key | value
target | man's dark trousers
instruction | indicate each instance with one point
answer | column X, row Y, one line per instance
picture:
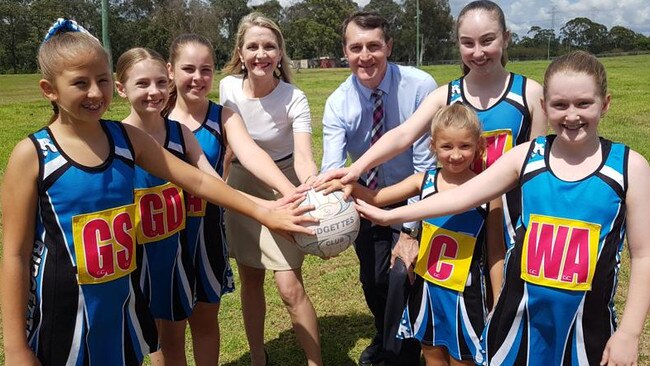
column 385, row 290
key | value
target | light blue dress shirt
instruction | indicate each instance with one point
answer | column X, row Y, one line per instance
column 347, row 122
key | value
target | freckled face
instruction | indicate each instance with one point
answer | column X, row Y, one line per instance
column 574, row 105
column 83, row 90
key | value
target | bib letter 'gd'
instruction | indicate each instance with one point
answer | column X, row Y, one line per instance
column 160, row 212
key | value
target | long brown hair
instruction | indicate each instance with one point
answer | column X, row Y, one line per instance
column 492, row 8
column 174, row 50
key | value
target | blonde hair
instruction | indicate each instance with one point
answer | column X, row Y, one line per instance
column 132, row 57
column 457, row 116
column 62, row 49
column 234, row 66
column 579, row 62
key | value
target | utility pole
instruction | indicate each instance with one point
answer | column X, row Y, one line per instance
column 106, row 39
column 548, row 47
column 417, row 33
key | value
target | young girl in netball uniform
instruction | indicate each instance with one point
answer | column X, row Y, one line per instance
column 446, row 309
column 69, row 218
column 191, row 67
column 581, row 194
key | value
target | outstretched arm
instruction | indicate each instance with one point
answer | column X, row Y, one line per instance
column 152, row 157
column 197, row 158
column 623, row 347
column 395, row 193
column 496, row 180
column 303, row 157
column 19, row 196
column 394, row 141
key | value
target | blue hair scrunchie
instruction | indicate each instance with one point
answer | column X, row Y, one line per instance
column 63, row 25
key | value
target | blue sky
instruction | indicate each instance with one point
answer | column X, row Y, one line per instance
column 522, row 14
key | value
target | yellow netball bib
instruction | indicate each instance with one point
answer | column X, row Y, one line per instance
column 160, row 212
column 445, row 256
column 195, row 206
column 104, row 244
column 560, row 253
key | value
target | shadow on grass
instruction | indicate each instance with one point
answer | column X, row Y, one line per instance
column 339, row 335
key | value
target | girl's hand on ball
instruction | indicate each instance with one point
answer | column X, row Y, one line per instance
column 288, row 219
column 372, row 213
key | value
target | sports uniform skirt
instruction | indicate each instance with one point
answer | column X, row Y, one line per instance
column 438, row 316
column 251, row 243
column 165, row 273
column 206, row 244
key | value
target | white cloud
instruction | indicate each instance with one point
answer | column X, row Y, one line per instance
column 523, row 14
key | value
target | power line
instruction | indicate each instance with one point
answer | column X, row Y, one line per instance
column 548, row 46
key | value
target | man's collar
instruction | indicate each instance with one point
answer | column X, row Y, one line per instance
column 384, row 86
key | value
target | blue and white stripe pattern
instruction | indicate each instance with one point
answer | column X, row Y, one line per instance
column 63, row 25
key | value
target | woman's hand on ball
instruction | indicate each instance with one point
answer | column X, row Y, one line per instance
column 293, row 200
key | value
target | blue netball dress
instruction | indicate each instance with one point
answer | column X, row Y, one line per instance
column 446, row 307
column 557, row 302
column 84, row 307
column 506, row 124
column 205, row 230
column 165, row 268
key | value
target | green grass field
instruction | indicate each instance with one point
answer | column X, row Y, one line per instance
column 345, row 323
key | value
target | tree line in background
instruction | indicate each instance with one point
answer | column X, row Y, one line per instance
column 311, row 28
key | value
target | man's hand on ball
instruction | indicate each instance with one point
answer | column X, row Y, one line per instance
column 347, row 175
column 335, row 185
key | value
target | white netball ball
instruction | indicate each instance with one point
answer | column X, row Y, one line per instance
column 338, row 226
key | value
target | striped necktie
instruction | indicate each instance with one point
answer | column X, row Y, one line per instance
column 377, row 130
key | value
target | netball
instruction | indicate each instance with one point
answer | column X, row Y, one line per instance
column 338, row 226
